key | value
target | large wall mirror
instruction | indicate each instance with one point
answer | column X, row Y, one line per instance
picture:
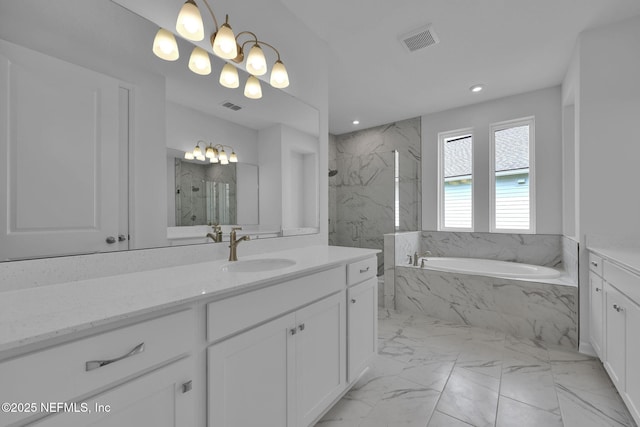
column 95, row 127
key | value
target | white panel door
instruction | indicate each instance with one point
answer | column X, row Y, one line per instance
column 320, row 356
column 596, row 318
column 616, row 336
column 633, row 359
column 362, row 318
column 60, row 148
column 162, row 398
column 249, row 377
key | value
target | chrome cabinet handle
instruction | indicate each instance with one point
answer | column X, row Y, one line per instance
column 365, row 270
column 598, row 289
column 353, row 300
column 301, row 327
column 617, row 308
column 595, row 264
column 95, row 364
column 187, row 386
column 110, row 240
column 293, row 331
column 121, row 238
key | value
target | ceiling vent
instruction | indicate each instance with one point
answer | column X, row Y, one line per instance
column 231, row 106
column 419, row 39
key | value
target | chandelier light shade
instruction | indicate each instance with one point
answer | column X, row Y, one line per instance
column 224, row 42
column 256, row 62
column 189, row 23
column 199, row 61
column 226, row 45
column 189, row 155
column 252, row 88
column 233, row 158
column 229, row 76
column 279, row 76
column 165, row 46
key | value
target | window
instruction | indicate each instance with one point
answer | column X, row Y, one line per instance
column 455, row 190
column 512, row 176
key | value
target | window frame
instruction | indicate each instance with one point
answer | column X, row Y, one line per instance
column 442, row 137
column 493, row 128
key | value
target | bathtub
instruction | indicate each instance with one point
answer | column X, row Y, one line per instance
column 491, row 268
column 525, row 300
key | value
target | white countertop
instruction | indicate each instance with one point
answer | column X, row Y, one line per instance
column 628, row 258
column 36, row 314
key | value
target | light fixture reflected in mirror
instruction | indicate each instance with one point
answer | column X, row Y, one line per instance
column 215, row 153
column 224, row 44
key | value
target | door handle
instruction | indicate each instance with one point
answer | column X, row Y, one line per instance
column 110, row 240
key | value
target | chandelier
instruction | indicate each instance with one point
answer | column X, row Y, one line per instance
column 225, row 45
column 214, row 154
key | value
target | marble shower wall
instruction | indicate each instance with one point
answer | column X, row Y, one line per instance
column 570, row 258
column 365, row 184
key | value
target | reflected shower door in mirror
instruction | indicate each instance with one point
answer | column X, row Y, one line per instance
column 83, row 162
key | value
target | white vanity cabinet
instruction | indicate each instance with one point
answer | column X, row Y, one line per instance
column 362, row 316
column 620, row 322
column 596, row 298
column 125, row 368
column 284, row 372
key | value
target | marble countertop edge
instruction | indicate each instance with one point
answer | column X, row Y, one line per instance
column 628, row 258
column 34, row 315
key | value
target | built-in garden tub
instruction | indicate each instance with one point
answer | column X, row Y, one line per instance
column 520, row 299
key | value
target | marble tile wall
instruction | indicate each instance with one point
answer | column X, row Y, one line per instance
column 365, row 184
column 540, row 311
column 570, row 257
column 538, row 249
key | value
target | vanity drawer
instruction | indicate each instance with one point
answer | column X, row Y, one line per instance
column 234, row 314
column 595, row 264
column 62, row 374
column 361, row 270
column 627, row 282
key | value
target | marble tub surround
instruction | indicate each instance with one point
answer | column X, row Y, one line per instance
column 537, row 249
column 33, row 315
column 434, row 373
column 570, row 258
column 545, row 311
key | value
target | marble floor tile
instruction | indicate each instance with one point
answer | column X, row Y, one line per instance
column 470, row 397
column 513, row 413
column 432, row 373
column 438, row 419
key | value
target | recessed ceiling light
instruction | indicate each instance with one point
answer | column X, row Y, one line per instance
column 356, row 122
column 476, row 88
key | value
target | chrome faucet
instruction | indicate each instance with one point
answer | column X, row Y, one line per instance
column 216, row 236
column 234, row 242
column 417, row 256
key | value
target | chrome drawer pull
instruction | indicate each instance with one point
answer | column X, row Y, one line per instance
column 95, row 364
column 617, row 308
column 595, row 264
column 365, row 270
column 186, row 387
column 597, row 289
column 353, row 300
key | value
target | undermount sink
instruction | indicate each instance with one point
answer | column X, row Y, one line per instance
column 257, row 265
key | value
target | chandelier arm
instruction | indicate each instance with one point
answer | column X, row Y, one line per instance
column 255, row 38
column 215, row 21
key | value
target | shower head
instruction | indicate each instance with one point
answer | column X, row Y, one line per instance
column 333, row 172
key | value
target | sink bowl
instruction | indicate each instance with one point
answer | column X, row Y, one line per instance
column 257, row 265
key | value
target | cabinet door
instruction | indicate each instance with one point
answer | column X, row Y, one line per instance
column 60, row 149
column 249, row 377
column 596, row 317
column 362, row 318
column 616, row 336
column 633, row 356
column 162, row 398
column 320, row 355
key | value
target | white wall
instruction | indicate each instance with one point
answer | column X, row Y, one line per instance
column 545, row 106
column 608, row 145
